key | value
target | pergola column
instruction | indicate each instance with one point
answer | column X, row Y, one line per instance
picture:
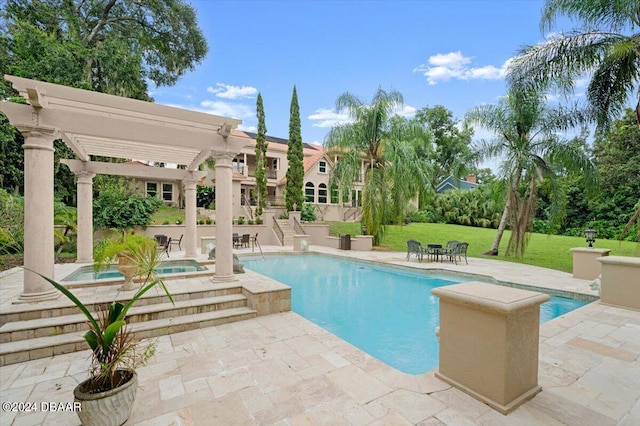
column 190, row 237
column 85, row 216
column 224, row 216
column 38, row 215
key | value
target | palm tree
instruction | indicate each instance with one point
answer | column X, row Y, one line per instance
column 530, row 151
column 608, row 46
column 387, row 143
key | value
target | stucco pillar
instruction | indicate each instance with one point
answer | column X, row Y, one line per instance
column 190, row 237
column 38, row 216
column 85, row 216
column 224, row 217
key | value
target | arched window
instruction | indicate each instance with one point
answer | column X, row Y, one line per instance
column 322, row 193
column 310, row 192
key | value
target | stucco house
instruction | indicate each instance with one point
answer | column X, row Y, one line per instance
column 317, row 164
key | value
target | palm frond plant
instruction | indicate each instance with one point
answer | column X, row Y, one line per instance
column 605, row 48
column 525, row 140
column 134, row 253
column 116, row 353
column 385, row 142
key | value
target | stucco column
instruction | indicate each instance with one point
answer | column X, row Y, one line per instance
column 224, row 217
column 190, row 243
column 85, row 216
column 38, row 216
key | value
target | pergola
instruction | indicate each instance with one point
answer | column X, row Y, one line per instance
column 92, row 123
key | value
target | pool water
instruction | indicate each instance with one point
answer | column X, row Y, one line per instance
column 387, row 312
column 86, row 273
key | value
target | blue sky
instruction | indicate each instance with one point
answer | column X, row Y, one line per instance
column 450, row 53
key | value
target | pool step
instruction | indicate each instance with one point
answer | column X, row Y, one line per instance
column 43, row 327
column 64, row 307
column 43, row 347
column 31, row 332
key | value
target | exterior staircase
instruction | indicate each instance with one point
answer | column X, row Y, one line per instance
column 29, row 333
column 287, row 231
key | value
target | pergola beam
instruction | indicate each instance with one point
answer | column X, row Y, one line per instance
column 72, row 142
column 132, row 170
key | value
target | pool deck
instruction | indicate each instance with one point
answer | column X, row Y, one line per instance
column 282, row 369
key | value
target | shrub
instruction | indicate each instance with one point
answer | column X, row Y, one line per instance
column 259, row 220
column 179, row 222
column 205, row 196
column 166, row 222
column 208, row 221
column 250, row 221
column 200, row 222
column 307, row 213
column 12, row 224
column 121, row 206
column 240, row 220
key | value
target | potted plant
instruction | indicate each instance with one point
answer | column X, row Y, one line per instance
column 132, row 252
column 240, row 220
column 107, row 396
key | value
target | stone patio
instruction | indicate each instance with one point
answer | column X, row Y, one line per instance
column 282, row 369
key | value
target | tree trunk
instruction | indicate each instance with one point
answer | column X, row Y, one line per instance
column 493, row 251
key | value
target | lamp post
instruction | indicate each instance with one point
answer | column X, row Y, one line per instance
column 590, row 236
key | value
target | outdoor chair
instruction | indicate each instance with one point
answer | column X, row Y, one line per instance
column 414, row 247
column 461, row 250
column 176, row 242
column 449, row 250
column 164, row 243
column 236, row 240
column 254, row 242
column 246, row 238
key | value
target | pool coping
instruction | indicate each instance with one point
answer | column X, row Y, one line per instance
column 165, row 277
column 487, row 278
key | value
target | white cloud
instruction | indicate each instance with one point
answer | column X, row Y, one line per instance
column 227, row 109
column 443, row 67
column 228, row 91
column 251, row 129
column 329, row 118
column 406, row 111
column 454, row 60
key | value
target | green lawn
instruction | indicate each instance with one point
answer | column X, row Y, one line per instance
column 549, row 251
column 167, row 215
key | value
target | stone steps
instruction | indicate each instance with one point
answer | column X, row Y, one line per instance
column 51, row 332
column 287, row 231
column 66, row 307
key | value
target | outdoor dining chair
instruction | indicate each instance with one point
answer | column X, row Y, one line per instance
column 414, row 247
column 244, row 242
column 176, row 242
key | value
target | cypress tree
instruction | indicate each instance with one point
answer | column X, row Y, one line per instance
column 295, row 172
column 261, row 158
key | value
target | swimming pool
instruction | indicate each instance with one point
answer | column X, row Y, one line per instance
column 86, row 273
column 387, row 312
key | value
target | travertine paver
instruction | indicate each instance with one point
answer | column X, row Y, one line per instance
column 284, row 370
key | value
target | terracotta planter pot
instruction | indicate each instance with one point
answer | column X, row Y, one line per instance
column 109, row 408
